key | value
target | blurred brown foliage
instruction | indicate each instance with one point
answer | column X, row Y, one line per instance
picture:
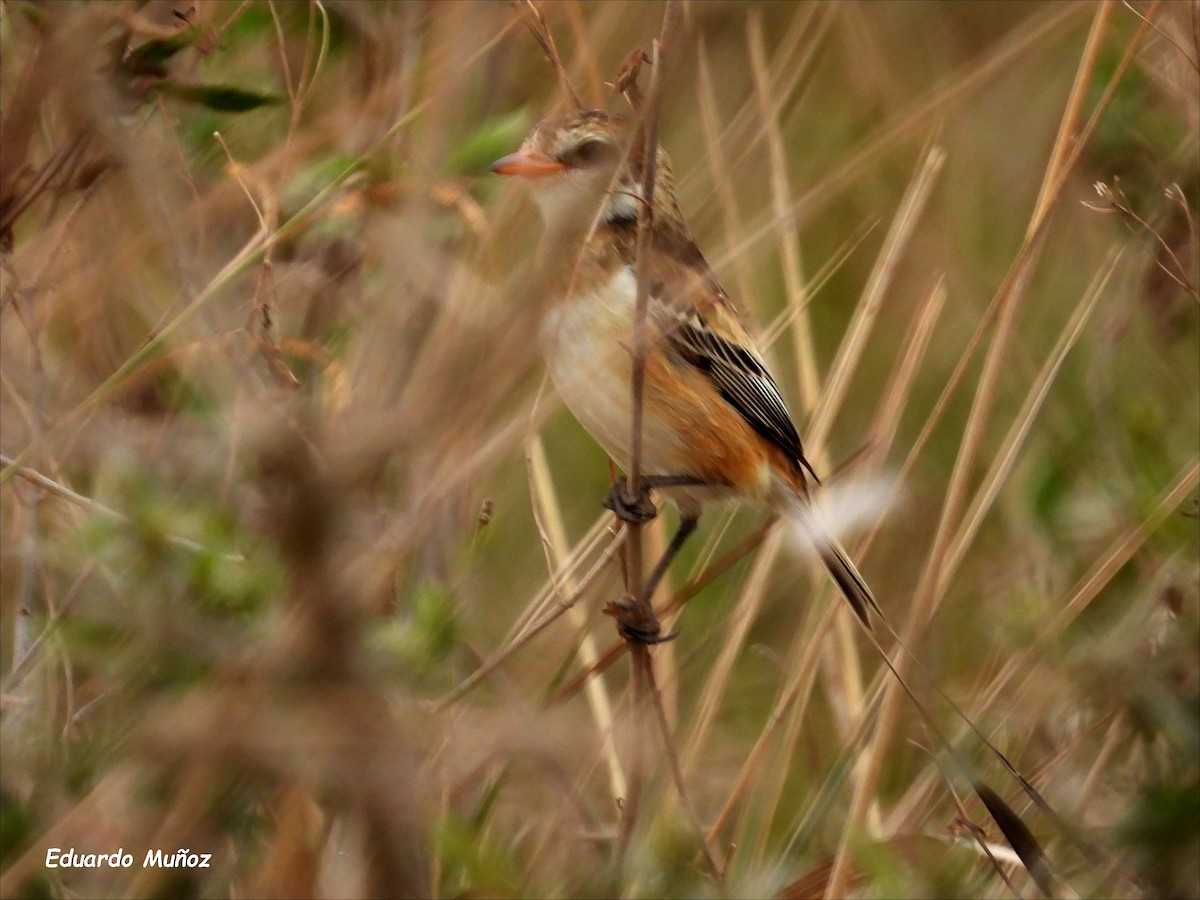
column 267, row 337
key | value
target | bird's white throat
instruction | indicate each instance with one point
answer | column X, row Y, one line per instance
column 570, row 202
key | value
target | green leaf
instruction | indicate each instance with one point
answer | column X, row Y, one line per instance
column 493, row 139
column 216, row 96
column 313, row 178
column 150, row 56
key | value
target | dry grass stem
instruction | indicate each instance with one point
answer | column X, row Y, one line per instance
column 537, row 627
column 279, row 487
column 787, row 230
column 927, row 596
column 546, row 500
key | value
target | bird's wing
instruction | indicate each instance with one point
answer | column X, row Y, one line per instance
column 703, row 328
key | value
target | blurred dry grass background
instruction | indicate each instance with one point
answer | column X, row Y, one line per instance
column 279, row 468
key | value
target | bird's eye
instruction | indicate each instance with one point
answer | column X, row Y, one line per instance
column 587, row 153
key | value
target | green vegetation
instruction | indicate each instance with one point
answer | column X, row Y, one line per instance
column 280, row 475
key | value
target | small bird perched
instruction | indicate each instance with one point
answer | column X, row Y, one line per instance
column 714, row 423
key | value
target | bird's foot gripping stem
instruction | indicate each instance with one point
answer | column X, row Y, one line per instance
column 636, row 509
column 636, row 621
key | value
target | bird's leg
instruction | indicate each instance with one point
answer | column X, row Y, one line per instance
column 661, row 481
column 687, row 524
column 636, row 620
column 639, row 508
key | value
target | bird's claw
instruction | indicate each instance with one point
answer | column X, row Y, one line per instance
column 637, row 623
column 636, row 510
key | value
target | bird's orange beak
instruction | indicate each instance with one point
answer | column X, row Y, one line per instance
column 528, row 163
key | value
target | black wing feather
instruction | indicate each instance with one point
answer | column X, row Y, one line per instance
column 744, row 383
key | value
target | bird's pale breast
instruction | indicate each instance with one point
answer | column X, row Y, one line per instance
column 688, row 429
column 586, row 339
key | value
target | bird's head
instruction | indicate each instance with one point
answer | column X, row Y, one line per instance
column 581, row 163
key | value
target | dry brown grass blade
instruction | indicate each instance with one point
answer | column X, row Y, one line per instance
column 648, row 134
column 18, row 127
column 1108, row 563
column 787, row 232
column 545, row 497
column 898, row 389
column 844, row 670
column 637, row 613
column 812, row 884
column 1006, row 457
column 416, row 371
column 640, row 663
column 847, row 669
column 1012, row 291
column 250, row 253
column 531, row 13
column 805, row 35
column 714, row 571
column 1067, row 132
column 715, row 868
column 589, row 544
column 1054, row 21
column 534, row 629
column 60, row 162
column 794, row 694
column 666, row 658
column 585, row 54
column 292, row 859
column 745, row 612
column 97, row 508
column 719, row 169
column 818, row 281
column 1100, row 765
column 895, row 395
column 866, row 312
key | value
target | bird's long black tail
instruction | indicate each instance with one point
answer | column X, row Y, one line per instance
column 847, row 577
column 843, row 572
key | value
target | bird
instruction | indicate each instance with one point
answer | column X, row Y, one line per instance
column 715, row 426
